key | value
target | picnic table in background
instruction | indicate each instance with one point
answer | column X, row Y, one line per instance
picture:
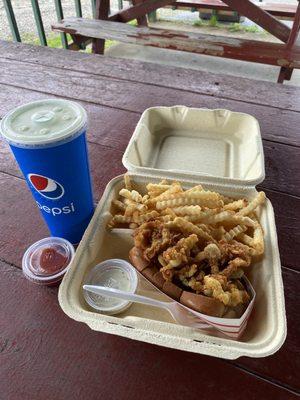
column 45, row 354
column 112, row 26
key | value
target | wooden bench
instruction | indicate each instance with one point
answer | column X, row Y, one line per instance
column 228, row 47
column 285, row 55
column 285, row 11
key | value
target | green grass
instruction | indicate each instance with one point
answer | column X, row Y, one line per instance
column 53, row 39
column 109, row 43
column 213, row 21
column 199, row 22
column 234, row 27
column 237, row 27
column 253, row 29
column 133, row 22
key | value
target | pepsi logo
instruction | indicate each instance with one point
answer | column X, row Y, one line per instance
column 47, row 187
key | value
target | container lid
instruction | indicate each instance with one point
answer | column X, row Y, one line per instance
column 114, row 273
column 43, row 122
column 180, row 142
column 46, row 261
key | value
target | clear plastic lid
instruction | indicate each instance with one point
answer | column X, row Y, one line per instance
column 46, row 261
column 114, row 273
column 43, row 122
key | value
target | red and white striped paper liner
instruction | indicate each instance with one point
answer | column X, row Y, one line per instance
column 232, row 327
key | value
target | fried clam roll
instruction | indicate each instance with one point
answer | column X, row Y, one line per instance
column 194, row 245
column 222, row 299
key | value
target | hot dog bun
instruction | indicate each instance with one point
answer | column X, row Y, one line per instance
column 203, row 304
column 137, row 259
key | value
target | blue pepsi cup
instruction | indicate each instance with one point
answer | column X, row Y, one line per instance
column 48, row 139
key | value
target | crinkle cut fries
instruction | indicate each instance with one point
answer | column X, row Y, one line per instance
column 198, row 240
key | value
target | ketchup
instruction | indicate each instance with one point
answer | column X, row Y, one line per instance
column 52, row 261
column 46, row 261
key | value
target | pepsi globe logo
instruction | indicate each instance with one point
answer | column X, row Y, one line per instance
column 46, row 187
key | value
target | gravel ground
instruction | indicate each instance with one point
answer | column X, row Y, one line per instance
column 25, row 18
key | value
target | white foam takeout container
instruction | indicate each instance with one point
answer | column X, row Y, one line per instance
column 223, row 150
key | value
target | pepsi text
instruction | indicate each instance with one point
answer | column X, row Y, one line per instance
column 57, row 210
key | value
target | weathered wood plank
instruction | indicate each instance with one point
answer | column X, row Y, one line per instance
column 217, row 85
column 285, row 10
column 234, row 48
column 104, row 130
column 285, row 364
column 260, row 17
column 8, row 163
column 282, row 168
column 58, row 352
column 129, row 96
column 287, row 216
column 295, row 30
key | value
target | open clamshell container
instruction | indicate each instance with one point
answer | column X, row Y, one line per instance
column 222, row 150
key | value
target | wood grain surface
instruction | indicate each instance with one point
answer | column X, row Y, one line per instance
column 284, row 366
column 46, row 355
column 282, row 10
column 217, row 85
column 43, row 353
column 265, row 52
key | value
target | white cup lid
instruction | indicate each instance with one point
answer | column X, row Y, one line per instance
column 42, row 122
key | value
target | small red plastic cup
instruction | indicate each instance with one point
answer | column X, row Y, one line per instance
column 45, row 262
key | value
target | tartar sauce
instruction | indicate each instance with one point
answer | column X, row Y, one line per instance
column 115, row 278
column 116, row 274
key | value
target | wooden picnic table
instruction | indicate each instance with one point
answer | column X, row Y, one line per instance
column 46, row 355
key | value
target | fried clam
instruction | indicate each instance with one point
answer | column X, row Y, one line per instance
column 179, row 254
column 228, row 293
column 190, row 277
column 211, row 253
column 153, row 238
column 236, row 257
